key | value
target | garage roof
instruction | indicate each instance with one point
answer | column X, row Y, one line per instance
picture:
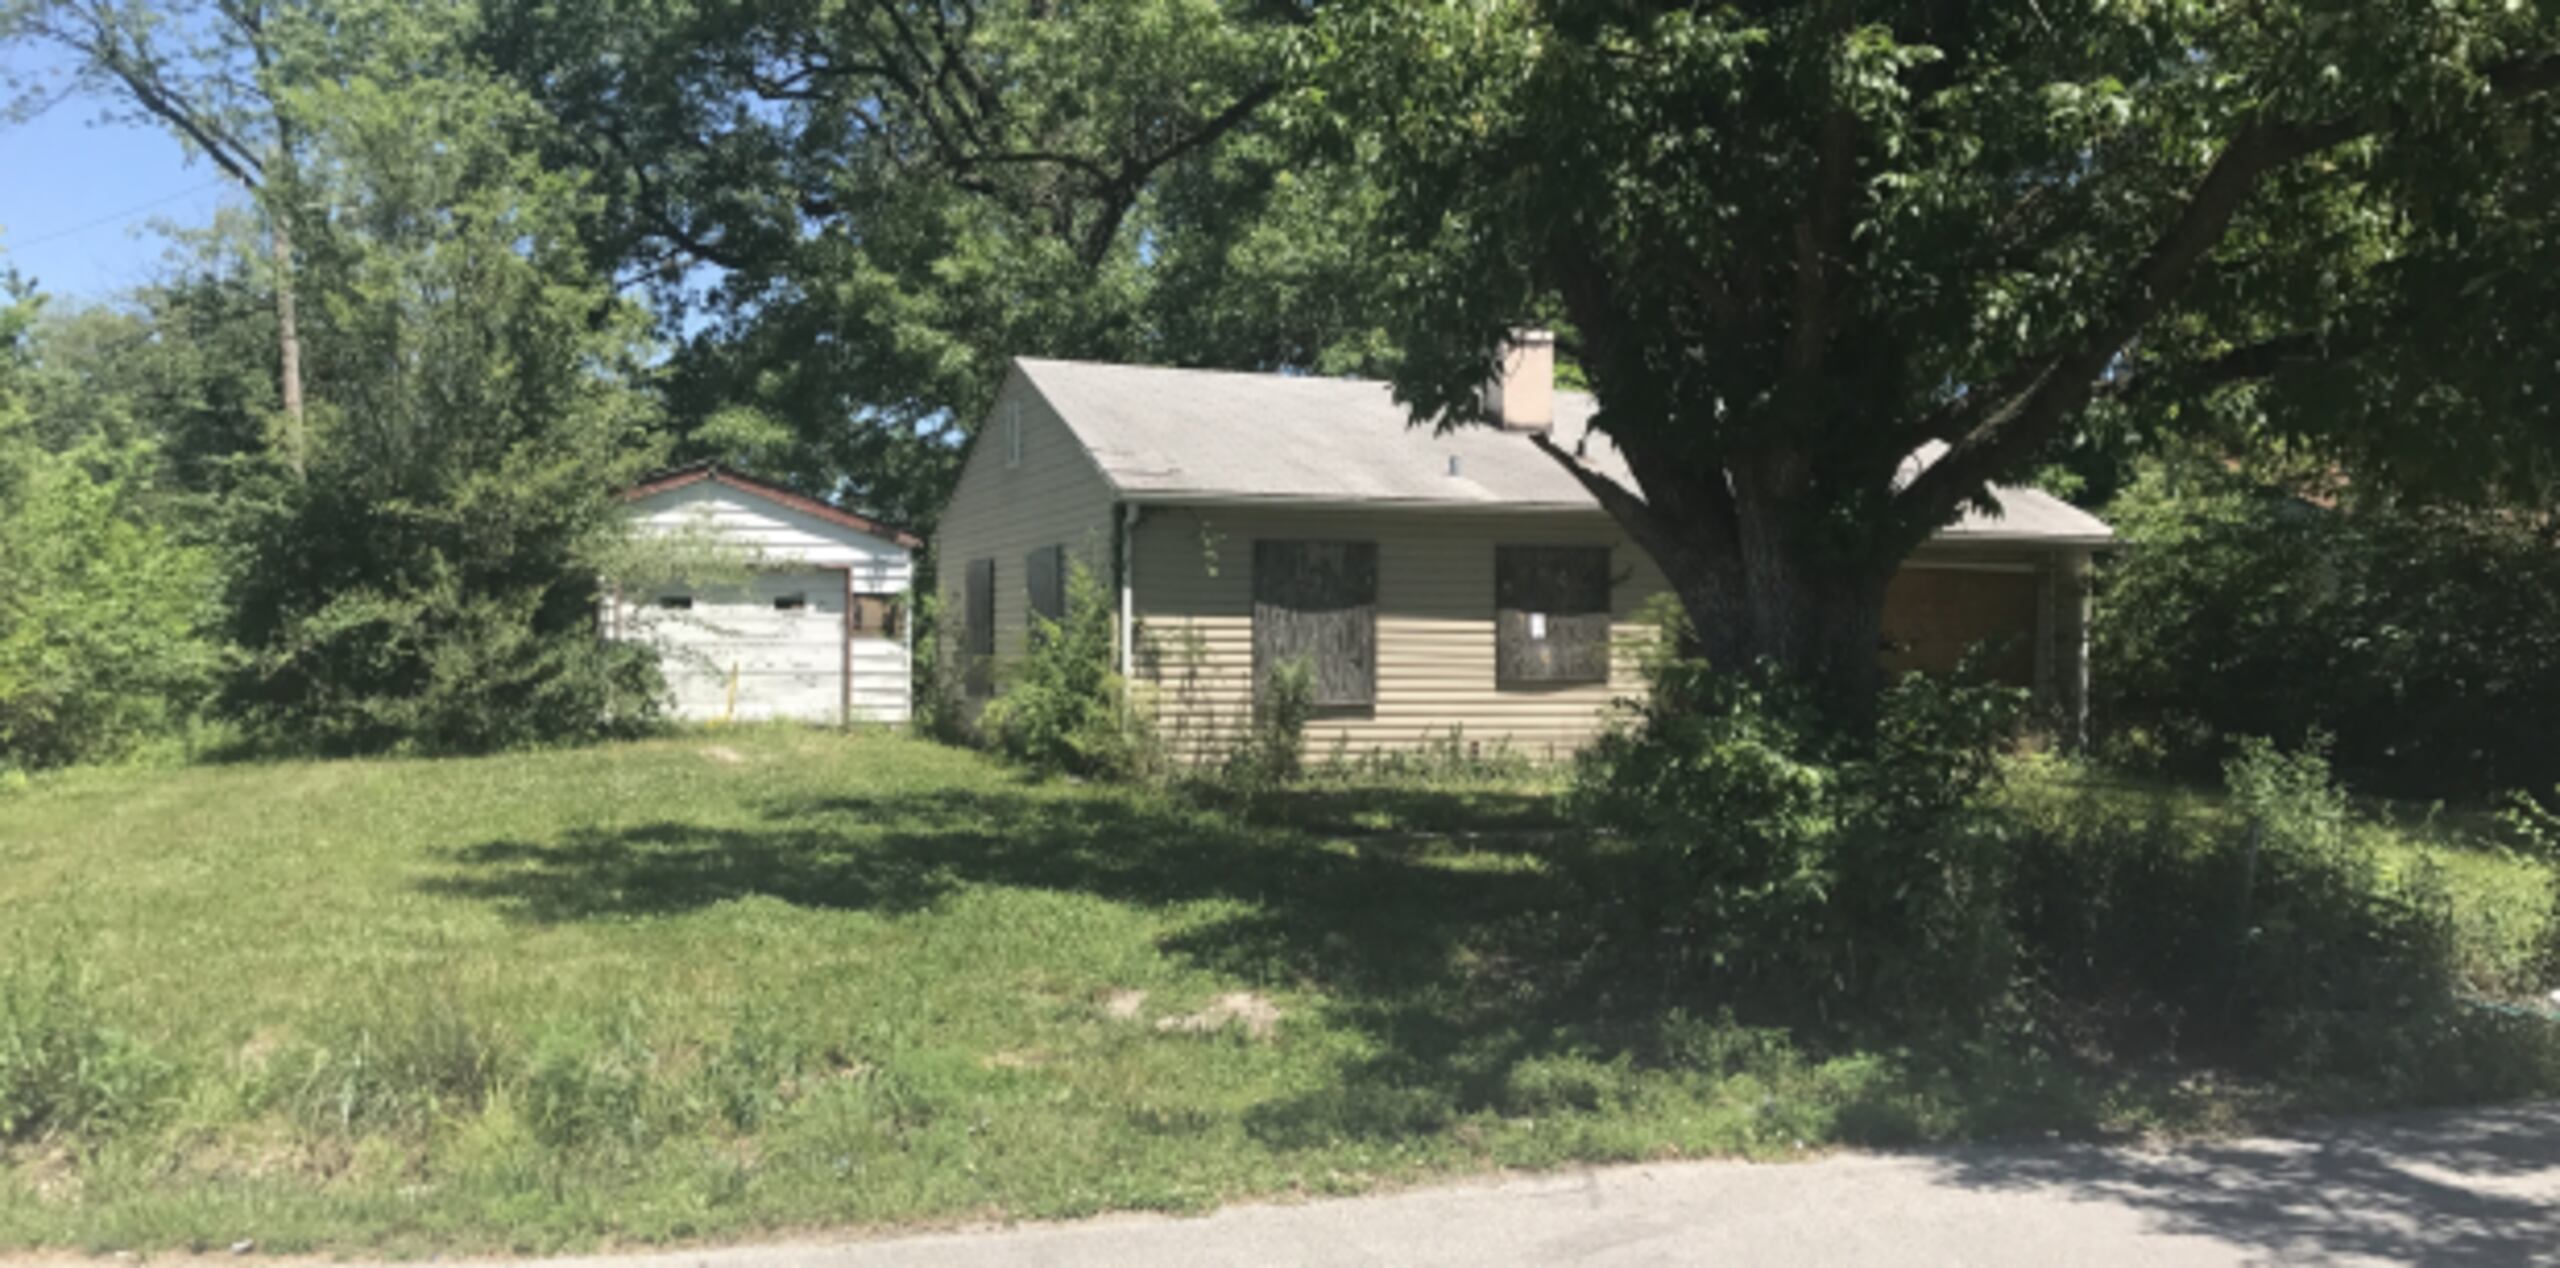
column 696, row 473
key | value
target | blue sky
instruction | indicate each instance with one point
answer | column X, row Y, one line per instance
column 78, row 198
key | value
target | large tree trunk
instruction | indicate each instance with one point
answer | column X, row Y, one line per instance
column 1759, row 583
column 1815, row 621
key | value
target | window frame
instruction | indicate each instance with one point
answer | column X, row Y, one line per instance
column 889, row 604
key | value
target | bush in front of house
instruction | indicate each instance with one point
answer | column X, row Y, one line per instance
column 1271, row 752
column 1783, row 863
column 1065, row 709
column 1887, row 884
column 2425, row 642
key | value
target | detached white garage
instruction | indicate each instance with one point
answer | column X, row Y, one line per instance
column 816, row 632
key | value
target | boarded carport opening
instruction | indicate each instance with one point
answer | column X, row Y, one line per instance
column 1933, row 617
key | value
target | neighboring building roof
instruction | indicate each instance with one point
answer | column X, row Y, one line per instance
column 1167, row 435
column 696, row 473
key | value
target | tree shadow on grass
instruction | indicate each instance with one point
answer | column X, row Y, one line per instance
column 1457, row 972
column 1490, row 811
column 2457, row 1188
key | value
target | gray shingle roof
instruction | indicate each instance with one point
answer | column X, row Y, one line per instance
column 1218, row 436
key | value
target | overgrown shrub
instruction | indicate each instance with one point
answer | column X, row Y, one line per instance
column 2535, row 821
column 934, row 673
column 2426, row 643
column 105, row 618
column 64, row 1068
column 479, row 392
column 1270, row 753
column 2275, row 939
column 1065, row 707
column 1791, row 862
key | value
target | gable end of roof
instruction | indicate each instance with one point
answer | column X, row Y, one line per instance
column 712, row 472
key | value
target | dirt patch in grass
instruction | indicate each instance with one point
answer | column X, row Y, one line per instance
column 1247, row 1011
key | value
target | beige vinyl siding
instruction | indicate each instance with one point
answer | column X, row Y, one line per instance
column 1436, row 629
column 1435, row 626
column 1001, row 510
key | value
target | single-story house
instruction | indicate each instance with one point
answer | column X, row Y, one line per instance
column 1446, row 586
column 807, row 619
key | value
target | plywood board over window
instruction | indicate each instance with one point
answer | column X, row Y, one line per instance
column 1551, row 615
column 1317, row 601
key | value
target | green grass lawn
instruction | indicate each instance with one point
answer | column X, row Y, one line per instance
column 765, row 979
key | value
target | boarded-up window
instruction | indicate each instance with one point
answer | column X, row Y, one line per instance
column 1551, row 615
column 874, row 616
column 1318, row 601
column 979, row 628
column 1044, row 582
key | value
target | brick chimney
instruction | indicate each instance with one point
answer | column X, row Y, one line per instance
column 1522, row 396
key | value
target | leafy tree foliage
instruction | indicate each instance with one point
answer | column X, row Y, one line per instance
column 2425, row 643
column 104, row 620
column 215, row 74
column 186, row 363
column 478, row 394
column 859, row 209
column 1797, row 245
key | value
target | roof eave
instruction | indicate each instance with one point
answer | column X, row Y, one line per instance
column 1310, row 502
column 2025, row 539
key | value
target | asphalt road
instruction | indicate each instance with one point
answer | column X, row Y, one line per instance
column 2471, row 1187
column 2455, row 1188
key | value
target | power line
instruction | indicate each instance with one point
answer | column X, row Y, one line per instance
column 112, row 217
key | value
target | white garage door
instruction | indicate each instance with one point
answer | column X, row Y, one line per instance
column 774, row 648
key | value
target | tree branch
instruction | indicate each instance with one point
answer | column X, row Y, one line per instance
column 133, row 65
column 1121, row 194
column 2261, row 360
column 1821, row 232
column 1994, row 430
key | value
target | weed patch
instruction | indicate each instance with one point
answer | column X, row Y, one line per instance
column 65, row 1068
